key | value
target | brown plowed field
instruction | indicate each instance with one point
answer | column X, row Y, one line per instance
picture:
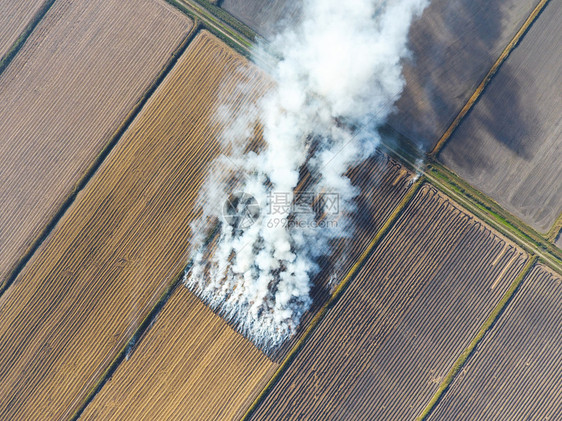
column 119, row 246
column 510, row 145
column 515, row 373
column 383, row 183
column 191, row 365
column 415, row 305
column 63, row 98
column 15, row 15
column 453, row 46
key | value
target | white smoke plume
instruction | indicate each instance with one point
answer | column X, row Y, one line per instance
column 337, row 78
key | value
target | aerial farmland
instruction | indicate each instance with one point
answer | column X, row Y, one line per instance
column 450, row 57
column 515, row 367
column 515, row 154
column 277, row 210
column 67, row 89
column 381, row 364
column 210, row 372
column 112, row 258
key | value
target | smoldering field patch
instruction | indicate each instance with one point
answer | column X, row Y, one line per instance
column 336, row 81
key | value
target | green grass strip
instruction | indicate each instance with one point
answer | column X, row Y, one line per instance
column 496, row 313
column 495, row 215
column 214, row 25
column 228, row 19
column 555, row 229
column 482, row 206
column 393, row 217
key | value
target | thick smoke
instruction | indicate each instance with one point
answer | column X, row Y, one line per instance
column 337, row 79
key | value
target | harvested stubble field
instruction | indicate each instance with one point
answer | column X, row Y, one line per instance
column 191, row 365
column 64, row 97
column 15, row 15
column 454, row 45
column 509, row 146
column 119, row 246
column 515, row 372
column 384, row 346
column 182, row 370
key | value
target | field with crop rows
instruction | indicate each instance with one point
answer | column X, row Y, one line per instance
column 384, row 346
column 120, row 245
column 509, row 146
column 191, row 365
column 15, row 15
column 383, row 182
column 64, row 97
column 191, row 351
column 112, row 115
column 453, row 46
column 515, row 372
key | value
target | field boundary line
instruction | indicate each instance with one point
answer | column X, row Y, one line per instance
column 229, row 33
column 488, row 324
column 130, row 345
column 98, row 160
column 140, row 333
column 228, row 19
column 489, row 76
column 481, row 206
column 493, row 215
column 24, row 35
column 389, row 223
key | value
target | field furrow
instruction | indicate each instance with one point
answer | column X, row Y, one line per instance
column 398, row 327
column 191, row 365
column 64, row 97
column 383, row 182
